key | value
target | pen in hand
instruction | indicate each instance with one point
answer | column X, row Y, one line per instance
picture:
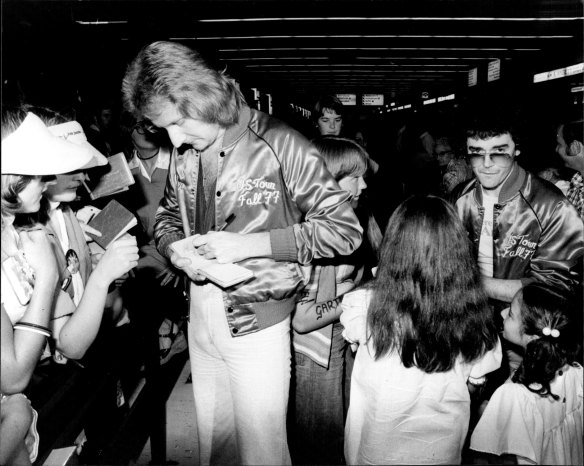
column 228, row 222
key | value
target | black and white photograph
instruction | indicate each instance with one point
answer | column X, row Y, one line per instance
column 292, row 232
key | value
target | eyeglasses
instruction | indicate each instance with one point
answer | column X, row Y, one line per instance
column 500, row 158
column 444, row 152
column 145, row 127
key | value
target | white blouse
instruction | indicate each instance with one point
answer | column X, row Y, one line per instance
column 539, row 430
column 400, row 415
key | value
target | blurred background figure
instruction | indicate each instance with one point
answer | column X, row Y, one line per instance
column 360, row 138
column 328, row 116
column 570, row 138
column 155, row 293
column 415, row 150
column 102, row 127
column 453, row 169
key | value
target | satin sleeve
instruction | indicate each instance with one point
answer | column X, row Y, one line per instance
column 168, row 220
column 330, row 226
column 557, row 260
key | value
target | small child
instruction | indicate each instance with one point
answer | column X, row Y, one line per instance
column 537, row 414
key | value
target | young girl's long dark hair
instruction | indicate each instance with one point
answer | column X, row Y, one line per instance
column 428, row 303
column 553, row 319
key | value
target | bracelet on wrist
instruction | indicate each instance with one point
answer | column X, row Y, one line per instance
column 34, row 328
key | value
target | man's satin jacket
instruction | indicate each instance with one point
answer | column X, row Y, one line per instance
column 537, row 234
column 273, row 180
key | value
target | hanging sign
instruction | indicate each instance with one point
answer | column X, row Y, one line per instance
column 372, row 99
column 494, row 70
column 472, row 77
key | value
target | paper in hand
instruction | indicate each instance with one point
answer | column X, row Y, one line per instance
column 224, row 275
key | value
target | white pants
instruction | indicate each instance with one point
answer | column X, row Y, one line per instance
column 240, row 386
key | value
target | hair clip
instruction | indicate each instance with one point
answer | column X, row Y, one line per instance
column 555, row 333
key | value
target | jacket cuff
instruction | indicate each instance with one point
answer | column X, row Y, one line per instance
column 166, row 241
column 284, row 245
column 527, row 281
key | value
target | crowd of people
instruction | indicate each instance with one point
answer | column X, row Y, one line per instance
column 421, row 317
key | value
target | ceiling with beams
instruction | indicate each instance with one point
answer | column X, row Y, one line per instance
column 309, row 47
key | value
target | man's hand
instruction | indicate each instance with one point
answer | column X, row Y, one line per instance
column 183, row 263
column 233, row 247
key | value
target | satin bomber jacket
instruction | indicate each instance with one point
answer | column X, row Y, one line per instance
column 273, row 180
column 537, row 233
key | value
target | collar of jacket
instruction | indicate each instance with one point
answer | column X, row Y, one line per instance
column 510, row 188
column 233, row 132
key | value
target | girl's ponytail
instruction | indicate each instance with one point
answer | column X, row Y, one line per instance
column 549, row 317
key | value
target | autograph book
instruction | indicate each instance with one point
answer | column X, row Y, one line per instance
column 112, row 222
column 224, row 275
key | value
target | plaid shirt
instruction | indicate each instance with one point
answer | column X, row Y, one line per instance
column 576, row 193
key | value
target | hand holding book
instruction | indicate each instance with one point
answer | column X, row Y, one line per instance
column 114, row 178
column 187, row 257
column 112, row 222
column 118, row 259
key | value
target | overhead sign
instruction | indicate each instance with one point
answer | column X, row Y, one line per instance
column 494, row 70
column 446, row 97
column 348, row 99
column 559, row 73
column 372, row 99
column 472, row 77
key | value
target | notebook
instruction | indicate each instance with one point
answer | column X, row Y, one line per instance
column 112, row 222
column 224, row 275
column 113, row 178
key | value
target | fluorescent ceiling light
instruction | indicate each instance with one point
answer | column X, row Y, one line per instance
column 283, row 49
column 366, row 36
column 393, row 73
column 275, row 58
column 332, row 65
column 423, row 58
column 387, row 18
column 100, row 23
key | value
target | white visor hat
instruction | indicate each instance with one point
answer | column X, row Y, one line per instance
column 73, row 132
column 33, row 150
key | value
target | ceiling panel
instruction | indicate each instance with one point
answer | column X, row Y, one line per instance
column 307, row 47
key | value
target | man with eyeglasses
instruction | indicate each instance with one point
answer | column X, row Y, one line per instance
column 523, row 228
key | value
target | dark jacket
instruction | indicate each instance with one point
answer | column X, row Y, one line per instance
column 537, row 234
column 274, row 180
